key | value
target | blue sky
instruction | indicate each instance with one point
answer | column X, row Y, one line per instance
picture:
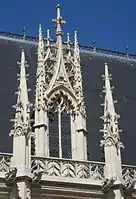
column 112, row 23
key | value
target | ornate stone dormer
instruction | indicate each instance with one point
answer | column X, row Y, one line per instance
column 61, row 89
column 111, row 139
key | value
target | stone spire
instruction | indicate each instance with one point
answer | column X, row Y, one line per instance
column 21, row 132
column 40, row 125
column 40, row 79
column 78, row 75
column 68, row 46
column 48, row 38
column 59, row 21
column 76, row 50
column 22, row 108
column 111, row 140
column 110, row 117
column 40, row 44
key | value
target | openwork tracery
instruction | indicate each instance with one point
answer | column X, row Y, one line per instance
column 59, row 92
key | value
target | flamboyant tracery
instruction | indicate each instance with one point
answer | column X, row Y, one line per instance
column 59, row 91
column 59, row 130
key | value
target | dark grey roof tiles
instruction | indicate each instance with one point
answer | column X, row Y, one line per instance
column 123, row 72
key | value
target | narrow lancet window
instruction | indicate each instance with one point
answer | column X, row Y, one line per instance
column 59, row 133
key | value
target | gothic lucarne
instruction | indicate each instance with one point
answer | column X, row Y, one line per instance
column 49, row 158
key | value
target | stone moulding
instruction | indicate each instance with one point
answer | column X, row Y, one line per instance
column 65, row 169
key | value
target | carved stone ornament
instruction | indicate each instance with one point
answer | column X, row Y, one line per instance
column 23, row 130
column 129, row 176
column 11, row 175
column 36, row 176
column 59, row 69
column 108, row 183
column 28, row 194
column 129, row 184
column 111, row 133
column 61, row 98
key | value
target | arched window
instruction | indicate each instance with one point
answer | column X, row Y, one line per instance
column 59, row 130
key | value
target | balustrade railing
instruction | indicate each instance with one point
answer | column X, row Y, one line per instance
column 128, row 172
column 5, row 162
column 68, row 168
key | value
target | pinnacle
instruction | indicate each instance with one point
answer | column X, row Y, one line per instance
column 58, row 6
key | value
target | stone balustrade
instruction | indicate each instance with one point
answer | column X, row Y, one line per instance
column 129, row 173
column 67, row 168
column 5, row 162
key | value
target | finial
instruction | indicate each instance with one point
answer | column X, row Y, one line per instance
column 24, row 33
column 41, row 43
column 68, row 40
column 48, row 38
column 76, row 49
column 127, row 50
column 108, row 92
column 58, row 11
column 23, row 85
column 59, row 21
column 68, row 37
column 106, row 70
column 94, row 45
column 40, row 32
column 68, row 45
column 76, row 41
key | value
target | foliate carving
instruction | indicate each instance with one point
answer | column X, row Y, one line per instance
column 10, row 176
column 5, row 162
column 97, row 171
column 108, row 183
column 68, row 168
column 111, row 132
column 129, row 177
column 37, row 170
column 50, row 69
column 21, row 129
column 56, row 70
column 36, row 177
column 62, row 99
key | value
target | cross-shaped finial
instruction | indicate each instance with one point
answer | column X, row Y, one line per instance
column 59, row 21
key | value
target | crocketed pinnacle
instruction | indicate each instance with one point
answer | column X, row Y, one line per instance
column 110, row 117
column 76, row 50
column 22, row 107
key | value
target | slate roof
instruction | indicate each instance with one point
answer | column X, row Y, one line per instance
column 123, row 72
